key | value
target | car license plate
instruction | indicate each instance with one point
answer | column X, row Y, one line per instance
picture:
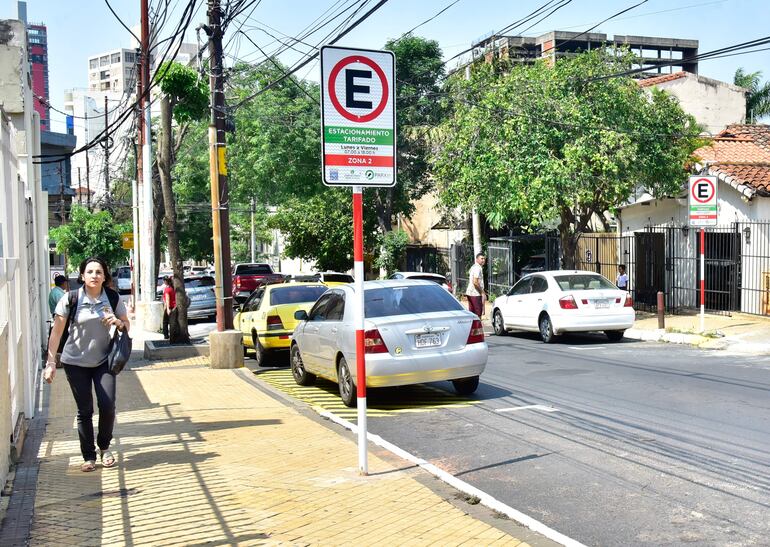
column 427, row 340
column 601, row 303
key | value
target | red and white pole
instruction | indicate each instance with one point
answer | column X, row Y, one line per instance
column 702, row 279
column 358, row 270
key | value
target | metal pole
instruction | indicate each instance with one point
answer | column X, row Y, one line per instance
column 106, row 147
column 61, row 193
column 137, row 274
column 218, row 172
column 358, row 270
column 253, row 234
column 702, row 279
column 661, row 311
column 80, row 195
column 135, row 219
column 88, row 168
column 148, row 254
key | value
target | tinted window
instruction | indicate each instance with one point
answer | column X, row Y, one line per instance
column 252, row 304
column 409, row 299
column 319, row 310
column 253, row 269
column 193, row 282
column 579, row 282
column 522, row 287
column 338, row 278
column 336, row 308
column 434, row 278
column 539, row 284
column 292, row 295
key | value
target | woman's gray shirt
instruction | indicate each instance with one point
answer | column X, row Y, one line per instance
column 89, row 339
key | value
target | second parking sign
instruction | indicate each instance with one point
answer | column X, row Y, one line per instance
column 358, row 117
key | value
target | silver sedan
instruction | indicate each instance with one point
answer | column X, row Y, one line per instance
column 415, row 332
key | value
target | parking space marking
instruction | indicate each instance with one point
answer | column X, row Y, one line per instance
column 590, row 348
column 324, row 397
column 528, row 407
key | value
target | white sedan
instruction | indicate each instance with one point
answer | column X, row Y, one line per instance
column 560, row 301
column 415, row 332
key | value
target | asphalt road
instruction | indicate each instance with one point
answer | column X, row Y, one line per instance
column 630, row 443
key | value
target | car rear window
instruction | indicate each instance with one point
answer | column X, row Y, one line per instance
column 253, row 269
column 193, row 282
column 410, row 299
column 123, row 274
column 338, row 278
column 293, row 295
column 582, row 282
column 435, row 278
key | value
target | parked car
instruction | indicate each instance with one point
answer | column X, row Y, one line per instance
column 267, row 320
column 330, row 279
column 414, row 332
column 200, row 291
column 555, row 302
column 247, row 277
column 122, row 277
column 427, row 276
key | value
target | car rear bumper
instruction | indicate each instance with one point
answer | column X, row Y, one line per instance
column 275, row 340
column 594, row 322
column 385, row 370
column 197, row 313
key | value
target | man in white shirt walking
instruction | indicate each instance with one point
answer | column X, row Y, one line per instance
column 475, row 290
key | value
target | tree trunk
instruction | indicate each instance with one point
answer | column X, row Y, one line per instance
column 157, row 212
column 568, row 240
column 169, row 219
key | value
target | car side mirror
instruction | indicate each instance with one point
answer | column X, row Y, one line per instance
column 300, row 315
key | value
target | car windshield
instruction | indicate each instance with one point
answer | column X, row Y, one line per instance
column 409, row 299
column 198, row 282
column 253, row 269
column 293, row 295
column 582, row 282
column 123, row 274
column 338, row 278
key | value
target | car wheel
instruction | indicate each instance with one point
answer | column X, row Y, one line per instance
column 345, row 381
column 301, row 375
column 498, row 324
column 614, row 335
column 466, row 386
column 546, row 329
column 260, row 355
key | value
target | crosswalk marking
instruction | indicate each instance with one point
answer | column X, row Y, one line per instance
column 324, row 397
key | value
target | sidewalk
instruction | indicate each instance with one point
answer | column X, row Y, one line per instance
column 737, row 332
column 209, row 457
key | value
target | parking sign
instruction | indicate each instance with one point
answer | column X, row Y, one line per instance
column 358, row 117
column 702, row 200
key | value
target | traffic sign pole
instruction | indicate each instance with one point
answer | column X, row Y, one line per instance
column 702, row 279
column 358, row 270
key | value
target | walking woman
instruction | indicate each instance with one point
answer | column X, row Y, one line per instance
column 84, row 356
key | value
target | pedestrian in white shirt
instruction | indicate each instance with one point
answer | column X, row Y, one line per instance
column 475, row 291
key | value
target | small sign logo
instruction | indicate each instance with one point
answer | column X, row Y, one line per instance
column 334, row 174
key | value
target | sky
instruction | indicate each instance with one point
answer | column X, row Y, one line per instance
column 78, row 29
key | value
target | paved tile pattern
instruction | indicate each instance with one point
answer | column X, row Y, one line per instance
column 324, row 396
column 207, row 458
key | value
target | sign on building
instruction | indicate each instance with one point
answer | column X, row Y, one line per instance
column 702, row 200
column 358, row 117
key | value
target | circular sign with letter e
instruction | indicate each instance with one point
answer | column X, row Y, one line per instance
column 702, row 196
column 358, row 117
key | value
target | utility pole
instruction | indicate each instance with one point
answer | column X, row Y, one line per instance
column 253, row 234
column 135, row 220
column 148, row 254
column 80, row 194
column 61, row 193
column 88, row 168
column 106, row 146
column 218, row 173
column 136, row 274
column 476, row 219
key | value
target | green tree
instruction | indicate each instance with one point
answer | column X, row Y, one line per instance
column 90, row 234
column 560, row 144
column 392, row 249
column 758, row 96
column 184, row 97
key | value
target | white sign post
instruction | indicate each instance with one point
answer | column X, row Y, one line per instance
column 703, row 210
column 358, row 132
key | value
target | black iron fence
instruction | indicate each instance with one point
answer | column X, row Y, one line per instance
column 659, row 258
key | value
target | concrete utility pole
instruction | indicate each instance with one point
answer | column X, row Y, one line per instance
column 253, row 234
column 136, row 274
column 218, row 172
column 88, row 167
column 106, row 146
column 476, row 222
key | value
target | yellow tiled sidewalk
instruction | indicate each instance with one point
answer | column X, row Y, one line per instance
column 207, row 458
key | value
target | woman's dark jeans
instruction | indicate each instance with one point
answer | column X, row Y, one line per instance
column 80, row 380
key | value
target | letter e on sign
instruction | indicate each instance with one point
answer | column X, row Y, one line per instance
column 702, row 201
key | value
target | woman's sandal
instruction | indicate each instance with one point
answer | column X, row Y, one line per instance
column 108, row 460
column 88, row 465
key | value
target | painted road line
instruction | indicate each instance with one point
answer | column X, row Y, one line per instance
column 591, row 348
column 462, row 486
column 528, row 407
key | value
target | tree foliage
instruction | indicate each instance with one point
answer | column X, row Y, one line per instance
column 543, row 144
column 91, row 234
column 392, row 249
column 758, row 96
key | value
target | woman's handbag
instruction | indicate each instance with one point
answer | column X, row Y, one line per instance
column 119, row 353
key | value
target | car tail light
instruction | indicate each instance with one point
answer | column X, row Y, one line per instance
column 449, row 286
column 629, row 302
column 237, row 282
column 477, row 333
column 274, row 322
column 567, row 303
column 373, row 342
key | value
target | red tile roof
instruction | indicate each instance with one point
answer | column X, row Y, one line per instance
column 655, row 80
column 740, row 156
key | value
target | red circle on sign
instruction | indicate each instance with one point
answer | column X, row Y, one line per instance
column 711, row 196
column 333, row 92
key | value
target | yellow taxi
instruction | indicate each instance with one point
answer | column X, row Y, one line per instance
column 266, row 319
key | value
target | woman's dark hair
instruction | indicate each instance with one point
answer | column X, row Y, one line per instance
column 102, row 263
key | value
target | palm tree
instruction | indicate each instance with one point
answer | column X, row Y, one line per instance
column 758, row 97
